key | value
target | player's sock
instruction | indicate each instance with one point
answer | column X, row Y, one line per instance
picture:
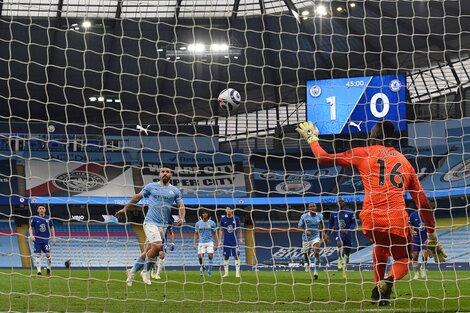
column 209, row 268
column 307, row 262
column 148, row 263
column 138, row 265
column 340, row 257
column 48, row 263
column 226, row 265
column 315, row 263
column 399, row 268
column 38, row 263
column 237, row 265
column 379, row 259
column 160, row 264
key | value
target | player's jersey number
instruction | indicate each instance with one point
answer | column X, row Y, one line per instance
column 395, row 177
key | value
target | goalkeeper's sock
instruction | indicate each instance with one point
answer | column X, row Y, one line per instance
column 138, row 265
column 226, row 264
column 48, row 263
column 379, row 258
column 237, row 265
column 38, row 263
column 399, row 268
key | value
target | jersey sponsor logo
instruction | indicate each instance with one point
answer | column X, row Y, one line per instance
column 79, row 181
column 42, row 228
column 458, row 172
column 294, row 186
column 230, row 229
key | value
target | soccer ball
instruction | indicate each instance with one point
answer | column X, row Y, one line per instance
column 229, row 99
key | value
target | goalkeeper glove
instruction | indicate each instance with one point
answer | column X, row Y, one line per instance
column 172, row 247
column 308, row 131
column 435, row 249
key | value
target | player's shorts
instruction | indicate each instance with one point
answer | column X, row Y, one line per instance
column 41, row 246
column 231, row 251
column 307, row 245
column 399, row 246
column 346, row 241
column 207, row 247
column 418, row 244
column 154, row 233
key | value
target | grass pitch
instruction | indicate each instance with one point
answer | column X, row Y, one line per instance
column 186, row 291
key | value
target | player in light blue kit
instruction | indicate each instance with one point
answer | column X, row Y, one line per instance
column 205, row 231
column 311, row 224
column 229, row 227
column 161, row 197
column 41, row 229
column 342, row 224
column 420, row 236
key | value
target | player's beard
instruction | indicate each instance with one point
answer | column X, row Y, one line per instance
column 165, row 180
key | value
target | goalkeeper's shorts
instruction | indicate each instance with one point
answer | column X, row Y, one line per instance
column 399, row 247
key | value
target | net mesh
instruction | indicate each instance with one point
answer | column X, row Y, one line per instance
column 96, row 96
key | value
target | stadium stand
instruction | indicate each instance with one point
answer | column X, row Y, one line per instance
column 94, row 245
column 9, row 249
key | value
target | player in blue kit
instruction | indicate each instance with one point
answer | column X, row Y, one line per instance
column 420, row 236
column 161, row 197
column 41, row 230
column 342, row 224
column 311, row 225
column 205, row 232
column 229, row 226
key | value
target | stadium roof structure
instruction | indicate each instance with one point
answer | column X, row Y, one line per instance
column 135, row 54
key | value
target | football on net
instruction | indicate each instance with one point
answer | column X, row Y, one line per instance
column 229, row 99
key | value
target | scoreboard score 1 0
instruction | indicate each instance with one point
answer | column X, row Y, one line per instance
column 355, row 104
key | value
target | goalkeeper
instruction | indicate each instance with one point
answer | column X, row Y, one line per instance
column 386, row 175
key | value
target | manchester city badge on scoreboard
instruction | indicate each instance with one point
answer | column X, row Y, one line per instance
column 355, row 104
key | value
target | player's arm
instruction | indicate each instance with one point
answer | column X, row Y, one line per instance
column 240, row 235
column 196, row 237
column 349, row 158
column 53, row 235
column 216, row 240
column 301, row 226
column 181, row 213
column 322, row 230
column 135, row 198
column 353, row 222
column 31, row 233
column 331, row 224
column 221, row 235
column 172, row 239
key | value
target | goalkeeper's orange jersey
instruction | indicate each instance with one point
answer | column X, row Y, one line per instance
column 386, row 175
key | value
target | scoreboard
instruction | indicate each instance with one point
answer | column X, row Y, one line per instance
column 355, row 104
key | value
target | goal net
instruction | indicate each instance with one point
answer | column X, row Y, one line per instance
column 96, row 97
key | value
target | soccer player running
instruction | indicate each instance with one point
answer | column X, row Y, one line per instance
column 41, row 230
column 342, row 224
column 311, row 225
column 420, row 236
column 205, row 232
column 386, row 175
column 229, row 226
column 161, row 197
